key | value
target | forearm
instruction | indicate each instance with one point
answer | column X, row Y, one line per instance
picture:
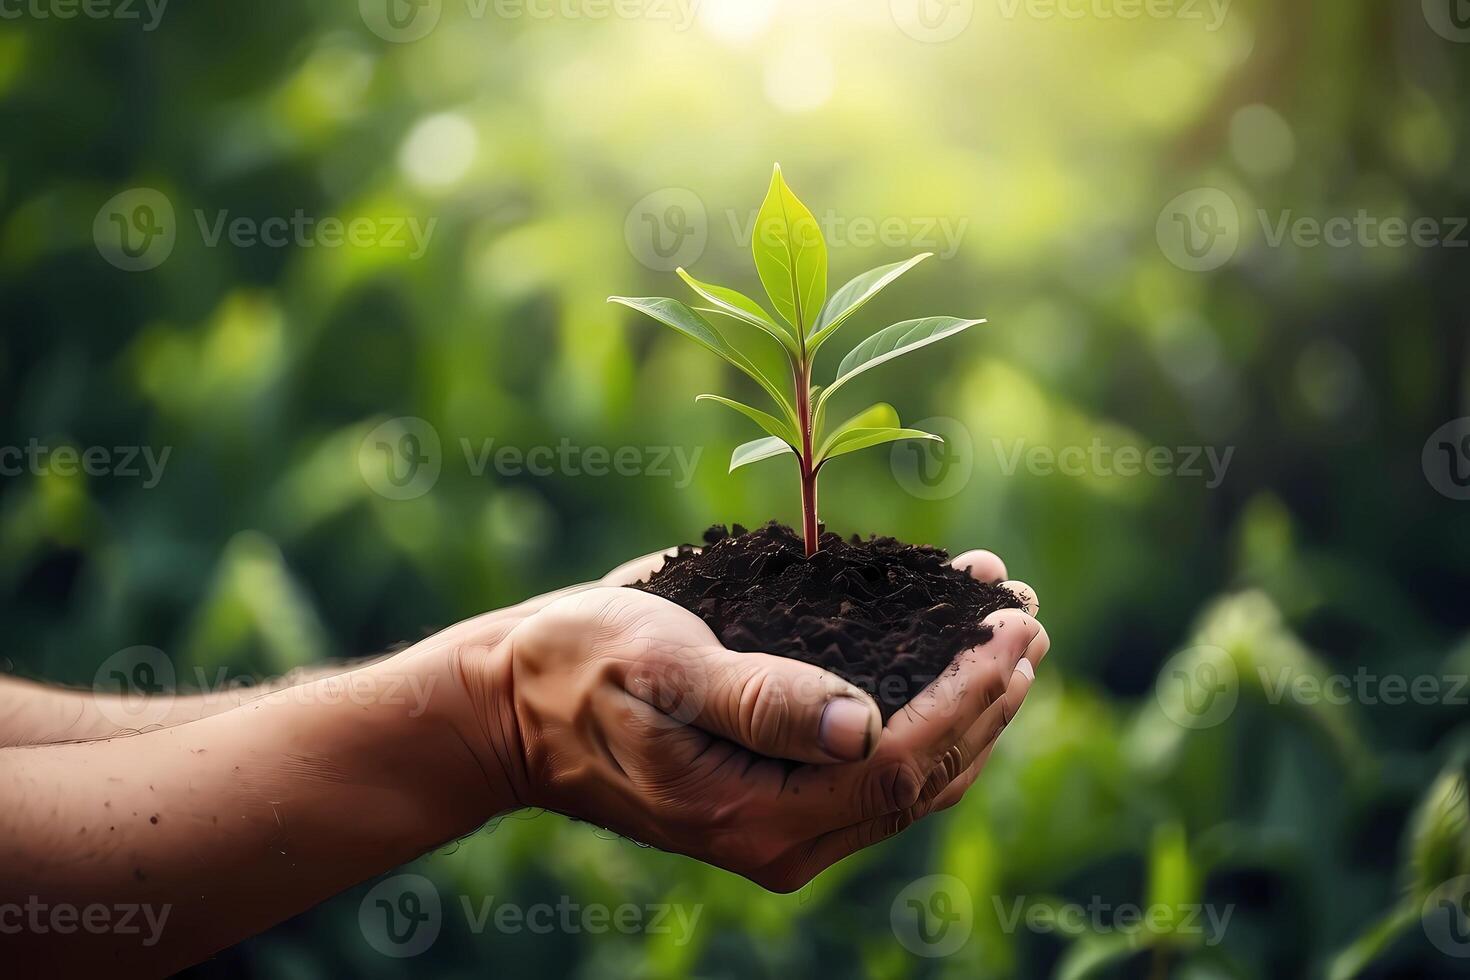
column 227, row 825
column 40, row 714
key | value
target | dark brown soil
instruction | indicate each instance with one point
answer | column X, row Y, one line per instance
column 887, row 616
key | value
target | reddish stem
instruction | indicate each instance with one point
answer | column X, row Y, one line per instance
column 809, row 523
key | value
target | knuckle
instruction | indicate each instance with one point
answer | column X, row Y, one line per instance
column 892, row 787
column 764, row 710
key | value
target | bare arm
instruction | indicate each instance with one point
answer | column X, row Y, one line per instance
column 214, row 830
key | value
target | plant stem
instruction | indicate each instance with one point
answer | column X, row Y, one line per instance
column 809, row 525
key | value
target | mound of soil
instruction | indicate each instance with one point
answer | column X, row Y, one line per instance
column 887, row 616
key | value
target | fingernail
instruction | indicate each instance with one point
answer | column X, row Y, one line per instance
column 1024, row 667
column 846, row 731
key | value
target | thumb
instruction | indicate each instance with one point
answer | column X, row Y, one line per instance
column 781, row 708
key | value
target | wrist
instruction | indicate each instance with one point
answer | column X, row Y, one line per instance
column 479, row 704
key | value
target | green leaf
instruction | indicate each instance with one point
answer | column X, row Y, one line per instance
column 1374, row 942
column 675, row 314
column 776, row 427
column 891, row 342
column 879, row 416
column 854, row 439
column 790, row 256
column 757, row 450
column 736, row 304
column 852, row 297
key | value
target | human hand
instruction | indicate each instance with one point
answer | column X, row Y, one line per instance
column 623, row 709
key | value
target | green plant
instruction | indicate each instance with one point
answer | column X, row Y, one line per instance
column 791, row 260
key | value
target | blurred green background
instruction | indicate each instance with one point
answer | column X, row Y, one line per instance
column 1109, row 190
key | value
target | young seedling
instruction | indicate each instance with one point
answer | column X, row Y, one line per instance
column 791, row 259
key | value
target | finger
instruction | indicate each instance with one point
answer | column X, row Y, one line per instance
column 1029, row 600
column 948, row 707
column 960, row 765
column 774, row 706
column 984, row 566
column 813, row 857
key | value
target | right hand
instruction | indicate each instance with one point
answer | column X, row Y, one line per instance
column 623, row 709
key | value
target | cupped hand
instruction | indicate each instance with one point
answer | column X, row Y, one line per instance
column 623, row 709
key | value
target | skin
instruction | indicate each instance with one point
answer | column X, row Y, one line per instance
column 228, row 814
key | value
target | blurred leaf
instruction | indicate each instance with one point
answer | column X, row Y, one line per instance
column 1374, row 941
